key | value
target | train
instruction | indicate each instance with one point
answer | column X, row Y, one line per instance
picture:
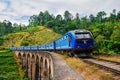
column 73, row 43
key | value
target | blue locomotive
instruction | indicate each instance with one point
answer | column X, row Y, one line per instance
column 73, row 43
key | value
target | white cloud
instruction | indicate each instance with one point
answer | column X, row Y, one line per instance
column 2, row 6
column 17, row 9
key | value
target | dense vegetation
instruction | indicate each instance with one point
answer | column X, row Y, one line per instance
column 105, row 29
column 68, row 22
column 7, row 27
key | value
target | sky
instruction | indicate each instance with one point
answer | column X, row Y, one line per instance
column 19, row 11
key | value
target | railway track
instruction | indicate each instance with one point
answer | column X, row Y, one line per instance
column 109, row 65
column 116, row 62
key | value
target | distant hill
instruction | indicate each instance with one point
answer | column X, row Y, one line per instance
column 31, row 36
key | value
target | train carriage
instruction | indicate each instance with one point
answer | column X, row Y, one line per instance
column 76, row 42
column 27, row 48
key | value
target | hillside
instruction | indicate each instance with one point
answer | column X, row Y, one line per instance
column 31, row 36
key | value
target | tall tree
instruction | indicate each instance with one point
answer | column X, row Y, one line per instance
column 92, row 18
column 77, row 16
column 118, row 16
column 41, row 18
column 84, row 22
column 2, row 29
column 47, row 16
column 58, row 17
column 33, row 21
column 58, row 20
column 113, row 16
column 100, row 16
column 67, row 16
column 8, row 26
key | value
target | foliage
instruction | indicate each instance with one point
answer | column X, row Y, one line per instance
column 7, row 27
column 8, row 67
column 1, row 41
column 32, row 36
column 15, row 39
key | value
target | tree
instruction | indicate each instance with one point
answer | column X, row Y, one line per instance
column 8, row 26
column 41, row 18
column 67, row 16
column 113, row 16
column 115, row 37
column 100, row 16
column 92, row 19
column 77, row 17
column 47, row 17
column 84, row 22
column 58, row 20
column 118, row 16
column 33, row 21
column 2, row 29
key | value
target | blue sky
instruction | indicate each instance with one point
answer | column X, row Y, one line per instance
column 19, row 11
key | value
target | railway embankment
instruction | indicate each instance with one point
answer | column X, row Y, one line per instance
column 90, row 71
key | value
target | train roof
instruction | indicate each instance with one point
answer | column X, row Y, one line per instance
column 79, row 31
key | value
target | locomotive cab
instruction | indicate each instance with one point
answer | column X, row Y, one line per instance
column 83, row 37
column 84, row 41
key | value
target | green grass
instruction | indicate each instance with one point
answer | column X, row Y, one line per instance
column 8, row 66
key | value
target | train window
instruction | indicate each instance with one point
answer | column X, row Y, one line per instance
column 69, row 38
column 82, row 35
column 66, row 36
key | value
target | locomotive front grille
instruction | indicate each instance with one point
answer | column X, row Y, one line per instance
column 83, row 41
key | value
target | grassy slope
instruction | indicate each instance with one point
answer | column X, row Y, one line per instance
column 8, row 67
column 32, row 36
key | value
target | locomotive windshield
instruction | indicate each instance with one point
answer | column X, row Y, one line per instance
column 82, row 35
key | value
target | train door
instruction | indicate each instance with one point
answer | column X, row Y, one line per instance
column 69, row 41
